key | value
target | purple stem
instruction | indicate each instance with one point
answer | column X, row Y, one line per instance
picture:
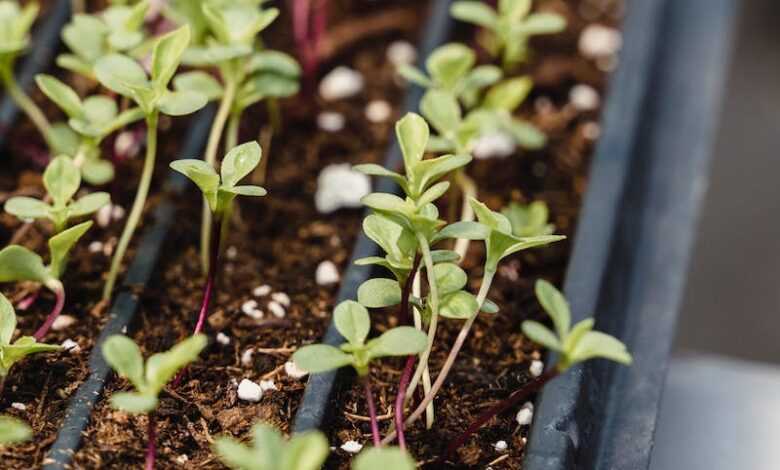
column 208, row 288
column 55, row 312
column 372, row 413
column 513, row 399
column 28, row 301
column 399, row 400
column 151, row 444
column 410, row 360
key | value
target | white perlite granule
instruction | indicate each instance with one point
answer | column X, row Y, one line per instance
column 353, row 447
column 526, row 414
column 401, row 53
column 249, row 391
column 378, row 111
column 494, row 145
column 292, row 369
column 341, row 82
column 536, row 368
column 338, row 186
column 584, row 97
column 330, row 121
column 327, row 273
column 600, row 41
column 62, row 322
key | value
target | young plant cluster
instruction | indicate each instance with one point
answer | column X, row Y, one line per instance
column 463, row 102
column 219, row 40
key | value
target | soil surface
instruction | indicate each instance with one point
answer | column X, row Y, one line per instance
column 278, row 241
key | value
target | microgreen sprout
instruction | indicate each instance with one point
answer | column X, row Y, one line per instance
column 124, row 356
column 573, row 344
column 11, row 353
column 269, row 451
column 529, row 220
column 418, row 216
column 18, row 263
column 62, row 180
column 117, row 29
column 219, row 191
column 353, row 322
column 226, row 40
column 125, row 76
column 309, row 21
column 15, row 24
column 508, row 28
column 13, row 431
column 89, row 122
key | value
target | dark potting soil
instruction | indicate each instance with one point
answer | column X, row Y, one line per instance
column 279, row 240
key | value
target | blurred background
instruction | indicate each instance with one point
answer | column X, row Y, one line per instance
column 721, row 406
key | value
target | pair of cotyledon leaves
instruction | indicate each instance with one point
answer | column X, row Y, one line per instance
column 62, row 180
column 353, row 322
column 576, row 343
column 149, row 377
column 220, row 189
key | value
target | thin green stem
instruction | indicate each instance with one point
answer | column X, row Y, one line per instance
column 274, row 114
column 487, row 280
column 469, row 190
column 433, row 294
column 138, row 204
column 28, row 106
column 127, row 117
column 212, row 146
column 233, row 125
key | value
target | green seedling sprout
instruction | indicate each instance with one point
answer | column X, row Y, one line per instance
column 456, row 87
column 18, row 263
column 227, row 34
column 529, row 220
column 419, row 217
column 90, row 121
column 507, row 29
column 269, row 451
column 148, row 379
column 353, row 323
column 219, row 191
column 117, row 29
column 125, row 76
column 62, row 180
column 574, row 344
column 11, row 353
column 15, row 24
column 13, row 431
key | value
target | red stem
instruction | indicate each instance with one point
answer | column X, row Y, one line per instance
column 60, row 303
column 28, row 301
column 151, row 444
column 513, row 399
column 208, row 289
column 410, row 360
column 372, row 413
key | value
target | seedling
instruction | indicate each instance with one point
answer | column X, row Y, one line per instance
column 352, row 321
column 18, row 263
column 219, row 191
column 418, row 216
column 269, row 451
column 507, row 30
column 117, row 29
column 11, row 353
column 13, row 431
column 529, row 220
column 573, row 344
column 15, row 24
column 89, row 122
column 62, row 180
column 125, row 76
column 451, row 68
column 124, row 356
column 226, row 38
column 309, row 21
